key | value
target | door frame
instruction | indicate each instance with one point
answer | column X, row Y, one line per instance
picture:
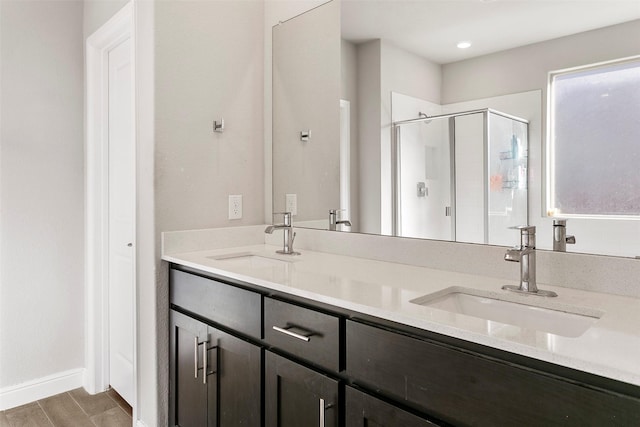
column 113, row 32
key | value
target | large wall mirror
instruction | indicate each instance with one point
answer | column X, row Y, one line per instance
column 382, row 124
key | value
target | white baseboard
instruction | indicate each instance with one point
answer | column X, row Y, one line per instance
column 140, row 424
column 40, row 388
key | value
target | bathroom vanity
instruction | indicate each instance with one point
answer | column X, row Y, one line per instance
column 320, row 339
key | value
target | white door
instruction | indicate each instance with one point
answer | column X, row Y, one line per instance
column 121, row 221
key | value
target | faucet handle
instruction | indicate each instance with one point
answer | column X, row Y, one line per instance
column 527, row 235
column 286, row 216
column 525, row 229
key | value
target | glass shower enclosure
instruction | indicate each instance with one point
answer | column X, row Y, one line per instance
column 460, row 177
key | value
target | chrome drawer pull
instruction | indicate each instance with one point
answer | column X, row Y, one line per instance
column 204, row 362
column 286, row 331
column 205, row 355
column 195, row 357
column 322, row 412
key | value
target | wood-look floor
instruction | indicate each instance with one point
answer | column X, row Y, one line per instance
column 76, row 408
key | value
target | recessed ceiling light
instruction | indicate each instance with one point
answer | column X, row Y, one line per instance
column 464, row 45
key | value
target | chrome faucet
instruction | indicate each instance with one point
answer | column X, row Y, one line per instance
column 289, row 235
column 560, row 238
column 333, row 219
column 525, row 254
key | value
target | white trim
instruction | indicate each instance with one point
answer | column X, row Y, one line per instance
column 140, row 424
column 119, row 28
column 345, row 158
column 40, row 388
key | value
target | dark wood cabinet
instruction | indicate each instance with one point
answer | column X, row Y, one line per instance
column 245, row 356
column 465, row 388
column 215, row 378
column 234, row 308
column 364, row 410
column 187, row 387
column 297, row 396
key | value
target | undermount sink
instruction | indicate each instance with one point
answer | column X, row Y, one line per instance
column 248, row 259
column 512, row 310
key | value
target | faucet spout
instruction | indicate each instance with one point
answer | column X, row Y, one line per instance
column 334, row 222
column 516, row 253
column 271, row 228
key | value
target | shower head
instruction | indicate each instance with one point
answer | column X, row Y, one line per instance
column 423, row 115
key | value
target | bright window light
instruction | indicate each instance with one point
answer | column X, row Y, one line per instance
column 593, row 144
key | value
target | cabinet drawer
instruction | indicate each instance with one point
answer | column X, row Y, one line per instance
column 225, row 304
column 302, row 332
column 363, row 410
column 464, row 388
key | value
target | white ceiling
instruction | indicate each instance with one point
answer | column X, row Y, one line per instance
column 432, row 28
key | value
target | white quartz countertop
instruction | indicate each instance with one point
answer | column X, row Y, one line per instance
column 610, row 347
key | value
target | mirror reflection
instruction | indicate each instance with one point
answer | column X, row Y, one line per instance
column 439, row 172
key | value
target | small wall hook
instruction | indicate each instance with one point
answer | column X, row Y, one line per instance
column 218, row 126
column 305, row 135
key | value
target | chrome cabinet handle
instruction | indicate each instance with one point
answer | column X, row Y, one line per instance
column 321, row 413
column 204, row 362
column 286, row 331
column 195, row 357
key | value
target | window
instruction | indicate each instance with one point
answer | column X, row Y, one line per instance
column 593, row 151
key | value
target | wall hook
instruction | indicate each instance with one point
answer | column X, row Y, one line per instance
column 305, row 135
column 218, row 126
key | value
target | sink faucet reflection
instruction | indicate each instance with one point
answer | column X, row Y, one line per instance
column 525, row 254
column 289, row 235
column 560, row 238
column 333, row 220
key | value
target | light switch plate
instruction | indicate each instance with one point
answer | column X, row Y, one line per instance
column 291, row 203
column 235, row 206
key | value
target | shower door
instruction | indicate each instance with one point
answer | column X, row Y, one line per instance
column 423, row 180
column 461, row 177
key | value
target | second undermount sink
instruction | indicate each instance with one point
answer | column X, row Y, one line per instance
column 251, row 260
column 560, row 320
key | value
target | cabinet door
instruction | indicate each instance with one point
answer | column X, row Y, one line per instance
column 188, row 392
column 363, row 410
column 234, row 382
column 298, row 396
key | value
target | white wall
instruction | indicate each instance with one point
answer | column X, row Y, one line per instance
column 275, row 11
column 41, row 192
column 349, row 92
column 150, row 406
column 369, row 107
column 97, row 12
column 525, row 68
column 209, row 65
column 306, row 94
